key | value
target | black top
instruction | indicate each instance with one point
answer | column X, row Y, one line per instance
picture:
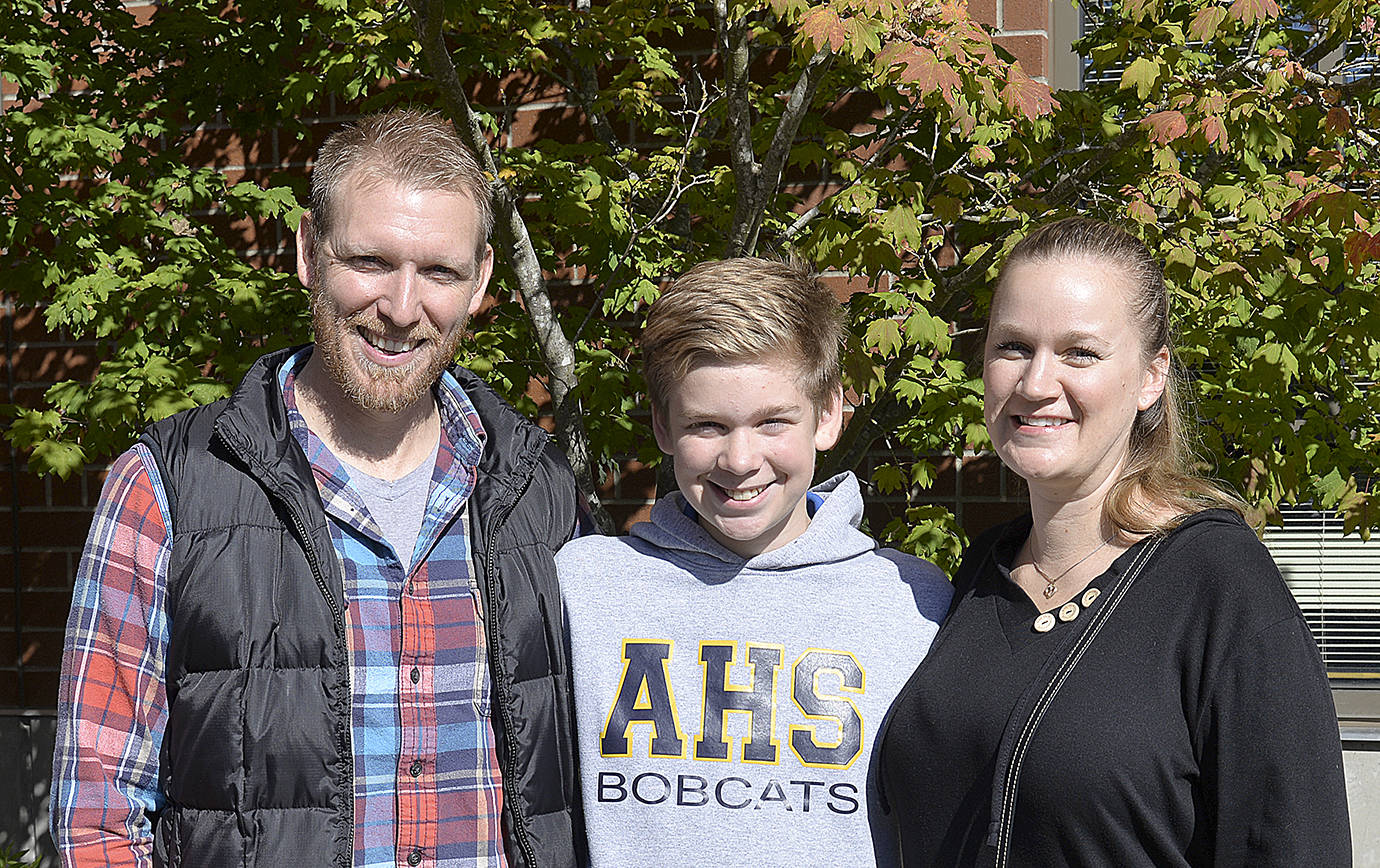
column 1197, row 729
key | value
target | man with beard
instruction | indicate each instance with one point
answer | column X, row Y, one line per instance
column 317, row 622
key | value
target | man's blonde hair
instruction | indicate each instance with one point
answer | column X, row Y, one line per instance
column 417, row 149
column 744, row 310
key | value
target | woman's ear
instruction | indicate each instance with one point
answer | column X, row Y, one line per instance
column 1153, row 382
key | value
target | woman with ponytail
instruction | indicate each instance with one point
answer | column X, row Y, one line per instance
column 1124, row 678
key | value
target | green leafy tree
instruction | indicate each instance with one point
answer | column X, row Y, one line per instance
column 887, row 140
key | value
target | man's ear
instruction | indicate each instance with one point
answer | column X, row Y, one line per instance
column 306, row 250
column 486, row 271
column 830, row 421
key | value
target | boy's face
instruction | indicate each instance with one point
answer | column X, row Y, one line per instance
column 744, row 436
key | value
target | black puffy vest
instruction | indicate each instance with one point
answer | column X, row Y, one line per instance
column 256, row 760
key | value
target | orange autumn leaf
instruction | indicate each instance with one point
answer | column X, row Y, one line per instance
column 1026, row 95
column 1215, row 132
column 1248, row 12
column 1362, row 247
column 1165, row 126
column 823, row 26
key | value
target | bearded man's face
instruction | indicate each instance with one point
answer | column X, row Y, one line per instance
column 393, row 284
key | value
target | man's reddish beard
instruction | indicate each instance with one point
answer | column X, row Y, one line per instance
column 369, row 386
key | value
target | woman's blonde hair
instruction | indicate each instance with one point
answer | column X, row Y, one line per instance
column 1160, row 484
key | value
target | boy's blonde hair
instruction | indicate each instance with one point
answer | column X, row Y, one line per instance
column 744, row 310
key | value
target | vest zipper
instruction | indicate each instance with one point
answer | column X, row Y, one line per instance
column 309, row 550
column 500, row 682
column 346, row 745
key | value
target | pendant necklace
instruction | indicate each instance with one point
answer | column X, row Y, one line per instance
column 1050, row 589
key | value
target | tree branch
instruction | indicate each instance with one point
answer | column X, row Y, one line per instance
column 774, row 163
column 584, row 86
column 557, row 352
column 883, row 151
column 677, row 191
column 732, row 38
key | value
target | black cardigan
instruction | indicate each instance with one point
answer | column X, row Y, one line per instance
column 1197, row 728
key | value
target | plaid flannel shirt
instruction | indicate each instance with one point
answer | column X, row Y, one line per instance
column 426, row 769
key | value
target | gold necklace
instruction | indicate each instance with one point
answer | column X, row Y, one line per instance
column 1050, row 589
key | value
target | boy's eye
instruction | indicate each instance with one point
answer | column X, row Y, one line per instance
column 706, row 426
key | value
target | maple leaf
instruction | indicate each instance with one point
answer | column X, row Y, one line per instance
column 1140, row 74
column 1326, row 159
column 1215, row 132
column 923, row 68
column 1331, row 203
column 1361, row 247
column 1026, row 95
column 1165, row 126
column 1205, row 23
column 1141, row 211
column 1138, row 10
column 1248, row 12
column 1300, row 205
column 1338, row 119
column 823, row 25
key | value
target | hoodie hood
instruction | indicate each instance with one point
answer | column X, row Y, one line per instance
column 832, row 535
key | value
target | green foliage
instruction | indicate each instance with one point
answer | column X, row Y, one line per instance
column 13, row 857
column 1250, row 170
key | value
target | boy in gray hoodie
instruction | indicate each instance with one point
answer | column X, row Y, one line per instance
column 734, row 657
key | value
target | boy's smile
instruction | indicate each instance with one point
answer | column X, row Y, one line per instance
column 743, row 436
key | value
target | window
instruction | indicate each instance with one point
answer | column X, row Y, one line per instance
column 1336, row 580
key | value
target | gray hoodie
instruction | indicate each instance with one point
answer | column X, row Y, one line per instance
column 727, row 710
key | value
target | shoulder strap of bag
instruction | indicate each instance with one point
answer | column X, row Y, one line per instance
column 1035, row 701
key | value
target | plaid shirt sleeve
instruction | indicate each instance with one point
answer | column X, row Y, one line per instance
column 112, row 702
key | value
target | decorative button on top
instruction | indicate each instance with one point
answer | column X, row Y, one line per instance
column 414, row 858
column 1068, row 611
column 1089, row 595
column 415, row 675
column 1044, row 623
column 415, row 769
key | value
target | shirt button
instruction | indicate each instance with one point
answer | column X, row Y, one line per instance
column 1069, row 611
column 414, row 858
column 414, row 770
column 1089, row 596
column 415, row 675
column 1044, row 623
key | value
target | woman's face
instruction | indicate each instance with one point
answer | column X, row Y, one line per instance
column 1065, row 374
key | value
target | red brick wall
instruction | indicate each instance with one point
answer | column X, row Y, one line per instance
column 45, row 520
